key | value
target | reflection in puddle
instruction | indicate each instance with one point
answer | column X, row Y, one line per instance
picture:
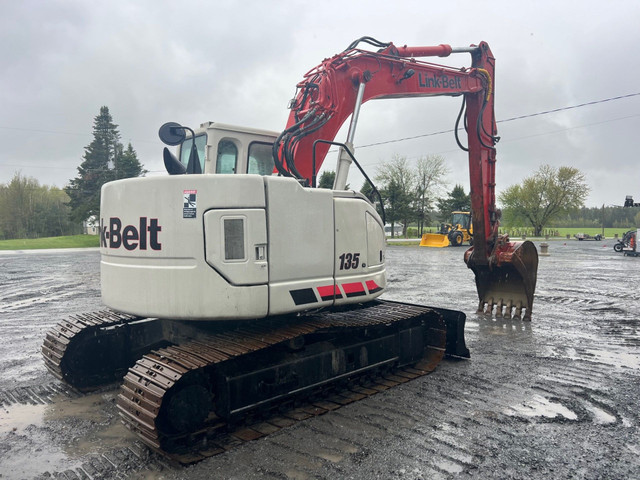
column 36, row 429
column 497, row 325
column 613, row 357
column 18, row 417
column 540, row 406
column 600, row 417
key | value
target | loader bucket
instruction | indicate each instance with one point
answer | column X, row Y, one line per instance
column 434, row 240
column 507, row 281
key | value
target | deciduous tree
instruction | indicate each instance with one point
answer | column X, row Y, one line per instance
column 547, row 194
column 397, row 182
column 31, row 210
column 429, row 180
column 408, row 193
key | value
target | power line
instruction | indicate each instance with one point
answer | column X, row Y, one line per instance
column 34, row 166
column 545, row 112
column 57, row 132
column 522, row 138
column 521, row 117
column 31, row 130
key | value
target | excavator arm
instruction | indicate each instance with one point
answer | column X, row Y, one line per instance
column 334, row 90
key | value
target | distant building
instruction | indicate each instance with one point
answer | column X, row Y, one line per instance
column 398, row 228
column 90, row 226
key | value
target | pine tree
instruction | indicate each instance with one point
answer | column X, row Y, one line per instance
column 104, row 160
column 326, row 179
column 127, row 165
column 456, row 200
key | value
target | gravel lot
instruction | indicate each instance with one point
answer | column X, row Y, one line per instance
column 553, row 398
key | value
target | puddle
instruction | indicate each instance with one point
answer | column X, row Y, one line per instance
column 104, row 439
column 540, row 406
column 471, row 325
column 611, row 357
column 89, row 407
column 447, row 466
column 600, row 417
column 333, row 458
column 296, row 475
column 28, row 452
column 26, row 462
column 17, row 418
column 95, row 420
column 614, row 358
column 32, row 433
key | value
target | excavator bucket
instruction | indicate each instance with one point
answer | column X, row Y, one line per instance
column 507, row 281
column 434, row 240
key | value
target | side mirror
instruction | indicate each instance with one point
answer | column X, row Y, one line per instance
column 172, row 133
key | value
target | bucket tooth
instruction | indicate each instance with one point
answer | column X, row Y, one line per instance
column 499, row 309
column 508, row 309
column 489, row 310
column 517, row 315
column 480, row 310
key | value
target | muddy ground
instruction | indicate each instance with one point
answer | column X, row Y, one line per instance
column 553, row 398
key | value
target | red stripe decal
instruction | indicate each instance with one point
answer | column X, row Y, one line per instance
column 329, row 291
column 353, row 289
column 373, row 286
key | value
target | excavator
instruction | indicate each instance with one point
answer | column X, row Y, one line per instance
column 234, row 285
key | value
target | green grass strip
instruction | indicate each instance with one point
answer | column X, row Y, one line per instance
column 73, row 241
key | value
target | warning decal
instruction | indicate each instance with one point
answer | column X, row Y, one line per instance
column 189, row 203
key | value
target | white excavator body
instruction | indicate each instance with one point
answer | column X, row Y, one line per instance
column 235, row 246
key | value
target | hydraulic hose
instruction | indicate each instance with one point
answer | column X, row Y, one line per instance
column 455, row 131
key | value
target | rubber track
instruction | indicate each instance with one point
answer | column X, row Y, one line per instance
column 149, row 380
column 73, row 329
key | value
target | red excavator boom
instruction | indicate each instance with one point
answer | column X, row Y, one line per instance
column 331, row 92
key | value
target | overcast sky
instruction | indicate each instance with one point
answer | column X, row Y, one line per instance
column 238, row 62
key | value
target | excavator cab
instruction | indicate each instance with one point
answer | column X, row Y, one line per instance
column 218, row 148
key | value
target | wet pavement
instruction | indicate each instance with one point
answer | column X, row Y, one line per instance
column 553, row 398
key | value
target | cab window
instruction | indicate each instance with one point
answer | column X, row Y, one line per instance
column 461, row 219
column 185, row 150
column 260, row 158
column 227, row 157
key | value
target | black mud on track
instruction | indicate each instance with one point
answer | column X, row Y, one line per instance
column 554, row 398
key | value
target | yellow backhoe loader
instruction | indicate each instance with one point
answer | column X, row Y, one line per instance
column 459, row 231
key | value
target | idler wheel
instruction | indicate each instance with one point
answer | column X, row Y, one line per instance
column 188, row 408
